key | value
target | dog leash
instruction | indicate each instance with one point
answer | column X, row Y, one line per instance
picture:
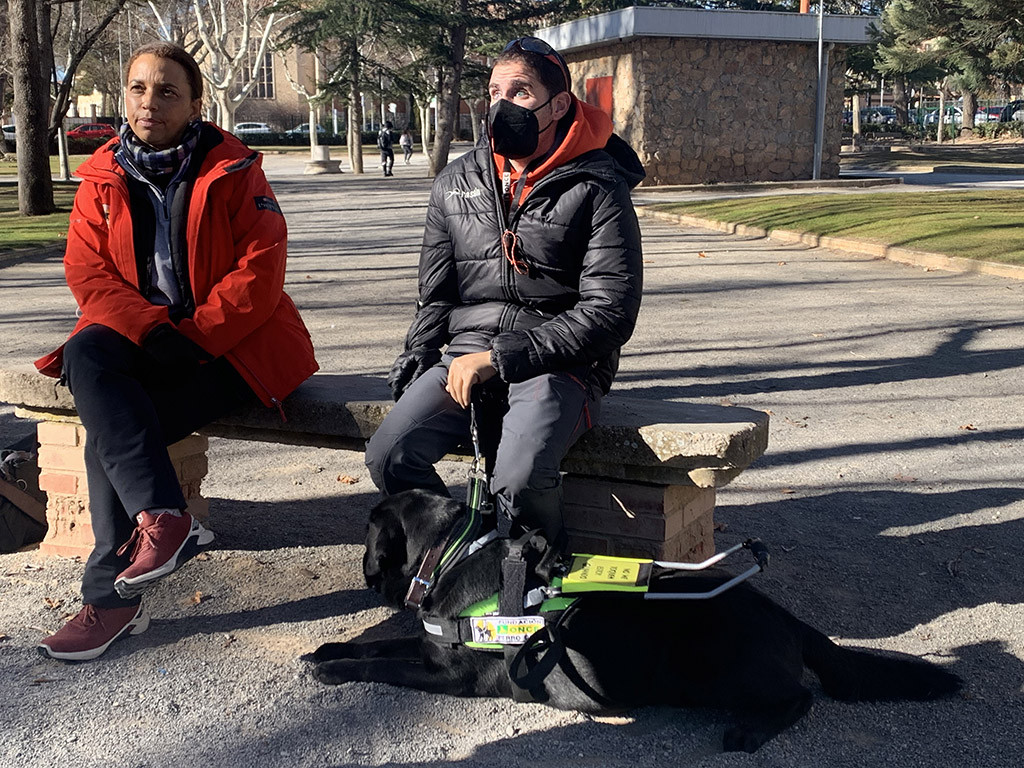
column 459, row 542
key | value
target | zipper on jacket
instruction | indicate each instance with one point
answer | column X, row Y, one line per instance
column 234, row 360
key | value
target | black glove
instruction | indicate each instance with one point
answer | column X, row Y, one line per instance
column 409, row 366
column 173, row 350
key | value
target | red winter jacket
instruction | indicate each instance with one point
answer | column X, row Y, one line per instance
column 237, row 245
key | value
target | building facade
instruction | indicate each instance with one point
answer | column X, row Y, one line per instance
column 715, row 96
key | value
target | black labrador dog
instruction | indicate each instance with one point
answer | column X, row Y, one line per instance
column 739, row 651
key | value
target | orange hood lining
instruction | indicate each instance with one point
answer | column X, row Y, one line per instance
column 590, row 129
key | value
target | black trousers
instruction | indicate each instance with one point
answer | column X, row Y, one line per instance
column 545, row 416
column 132, row 409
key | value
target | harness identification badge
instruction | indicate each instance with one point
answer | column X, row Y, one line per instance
column 506, row 630
column 593, row 573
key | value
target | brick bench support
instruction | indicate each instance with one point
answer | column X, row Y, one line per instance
column 641, row 483
column 62, row 477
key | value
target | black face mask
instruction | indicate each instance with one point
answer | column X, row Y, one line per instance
column 515, row 132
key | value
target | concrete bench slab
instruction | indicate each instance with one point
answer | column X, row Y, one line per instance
column 642, row 482
column 652, row 441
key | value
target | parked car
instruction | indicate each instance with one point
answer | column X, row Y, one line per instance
column 879, row 115
column 252, row 128
column 1012, row 111
column 954, row 116
column 987, row 115
column 303, row 129
column 8, row 131
column 92, row 131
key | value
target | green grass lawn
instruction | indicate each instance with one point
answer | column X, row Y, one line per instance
column 9, row 168
column 17, row 231
column 979, row 155
column 977, row 225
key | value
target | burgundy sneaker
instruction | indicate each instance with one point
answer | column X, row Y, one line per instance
column 92, row 631
column 160, row 544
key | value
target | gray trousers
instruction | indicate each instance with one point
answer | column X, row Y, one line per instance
column 545, row 416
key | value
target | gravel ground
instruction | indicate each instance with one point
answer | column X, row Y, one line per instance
column 891, row 497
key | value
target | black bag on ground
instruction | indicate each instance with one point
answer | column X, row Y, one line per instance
column 22, row 504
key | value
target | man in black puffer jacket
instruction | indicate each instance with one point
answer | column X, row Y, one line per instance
column 530, row 279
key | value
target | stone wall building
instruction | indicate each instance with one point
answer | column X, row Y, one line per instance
column 714, row 96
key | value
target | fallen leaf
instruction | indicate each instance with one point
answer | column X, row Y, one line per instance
column 229, row 639
column 648, row 261
column 782, row 263
column 725, row 401
column 905, row 479
column 202, row 556
column 52, row 604
column 702, row 255
column 787, row 490
column 41, row 680
column 969, row 427
column 199, row 597
column 348, row 479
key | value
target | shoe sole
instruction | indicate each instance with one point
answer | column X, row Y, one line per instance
column 136, row 626
column 198, row 537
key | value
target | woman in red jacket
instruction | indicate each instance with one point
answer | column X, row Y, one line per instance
column 176, row 257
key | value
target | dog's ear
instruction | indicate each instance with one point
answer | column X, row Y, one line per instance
column 385, row 545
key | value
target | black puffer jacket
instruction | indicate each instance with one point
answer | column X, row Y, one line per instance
column 578, row 233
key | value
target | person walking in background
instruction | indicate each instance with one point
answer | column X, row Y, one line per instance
column 405, row 140
column 530, row 279
column 176, row 258
column 385, row 142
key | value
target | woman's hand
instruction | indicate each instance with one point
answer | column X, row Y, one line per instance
column 465, row 371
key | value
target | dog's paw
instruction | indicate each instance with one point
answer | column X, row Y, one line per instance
column 740, row 739
column 332, row 672
column 329, row 651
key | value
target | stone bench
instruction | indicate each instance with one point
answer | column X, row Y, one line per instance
column 640, row 483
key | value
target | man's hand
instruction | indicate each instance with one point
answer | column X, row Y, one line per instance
column 465, row 371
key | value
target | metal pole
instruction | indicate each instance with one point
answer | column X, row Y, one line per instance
column 819, row 120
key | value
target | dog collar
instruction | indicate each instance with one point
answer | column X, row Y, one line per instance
column 457, row 545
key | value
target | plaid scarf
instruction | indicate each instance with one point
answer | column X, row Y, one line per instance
column 159, row 162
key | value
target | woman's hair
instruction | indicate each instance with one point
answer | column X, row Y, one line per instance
column 549, row 73
column 164, row 50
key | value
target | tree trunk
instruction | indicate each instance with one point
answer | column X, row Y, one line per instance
column 474, row 120
column 448, row 98
column 855, row 123
column 4, row 149
column 35, row 185
column 426, row 129
column 940, row 119
column 970, row 107
column 314, row 140
column 225, row 110
column 355, row 117
column 899, row 100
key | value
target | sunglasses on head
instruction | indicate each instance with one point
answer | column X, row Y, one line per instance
column 538, row 46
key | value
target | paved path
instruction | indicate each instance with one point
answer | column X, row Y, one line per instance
column 891, row 497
